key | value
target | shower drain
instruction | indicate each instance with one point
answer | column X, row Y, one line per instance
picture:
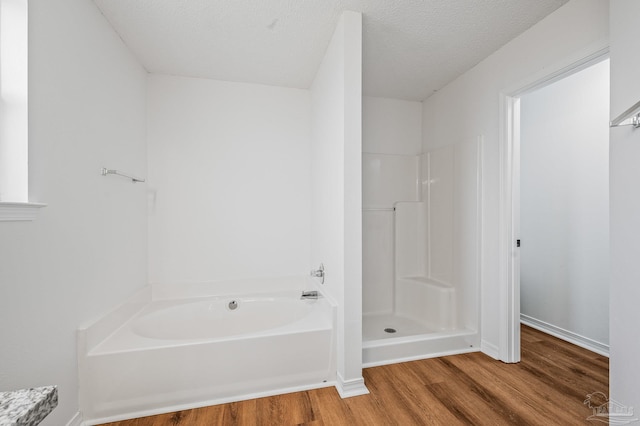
column 390, row 330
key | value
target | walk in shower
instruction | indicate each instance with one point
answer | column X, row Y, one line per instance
column 421, row 253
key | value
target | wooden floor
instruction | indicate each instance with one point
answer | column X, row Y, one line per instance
column 548, row 387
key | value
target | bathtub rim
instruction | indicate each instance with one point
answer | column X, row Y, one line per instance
column 310, row 322
column 157, row 310
column 100, row 327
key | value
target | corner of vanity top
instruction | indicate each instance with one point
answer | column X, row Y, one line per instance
column 27, row 406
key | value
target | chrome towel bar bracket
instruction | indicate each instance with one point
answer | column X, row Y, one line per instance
column 106, row 171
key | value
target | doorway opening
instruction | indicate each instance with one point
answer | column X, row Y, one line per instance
column 555, row 207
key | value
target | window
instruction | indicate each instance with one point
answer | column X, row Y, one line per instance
column 14, row 173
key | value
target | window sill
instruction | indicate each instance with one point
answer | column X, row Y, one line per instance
column 15, row 212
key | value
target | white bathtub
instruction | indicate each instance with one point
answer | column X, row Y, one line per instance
column 178, row 347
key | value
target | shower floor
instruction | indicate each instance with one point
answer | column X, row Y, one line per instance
column 374, row 325
column 412, row 340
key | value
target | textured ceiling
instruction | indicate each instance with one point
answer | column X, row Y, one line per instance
column 411, row 47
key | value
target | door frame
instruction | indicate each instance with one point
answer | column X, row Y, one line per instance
column 509, row 228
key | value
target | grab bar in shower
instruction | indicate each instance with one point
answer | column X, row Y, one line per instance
column 630, row 117
column 106, row 171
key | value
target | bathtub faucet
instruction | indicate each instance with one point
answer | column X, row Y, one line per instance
column 318, row 273
column 310, row 294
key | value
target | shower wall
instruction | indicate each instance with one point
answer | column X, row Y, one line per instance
column 390, row 171
column 451, row 188
column 434, row 233
column 437, row 239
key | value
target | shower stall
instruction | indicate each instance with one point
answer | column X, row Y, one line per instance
column 421, row 253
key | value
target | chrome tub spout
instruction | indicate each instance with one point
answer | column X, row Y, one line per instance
column 312, row 294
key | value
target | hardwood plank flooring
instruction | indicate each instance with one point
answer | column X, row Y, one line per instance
column 547, row 387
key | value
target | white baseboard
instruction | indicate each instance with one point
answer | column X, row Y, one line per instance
column 349, row 388
column 490, row 349
column 76, row 420
column 566, row 335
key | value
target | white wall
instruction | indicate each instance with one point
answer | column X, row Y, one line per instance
column 391, row 126
column 351, row 382
column 625, row 209
column 391, row 142
column 470, row 106
column 336, row 217
column 564, row 204
column 87, row 250
column 229, row 174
